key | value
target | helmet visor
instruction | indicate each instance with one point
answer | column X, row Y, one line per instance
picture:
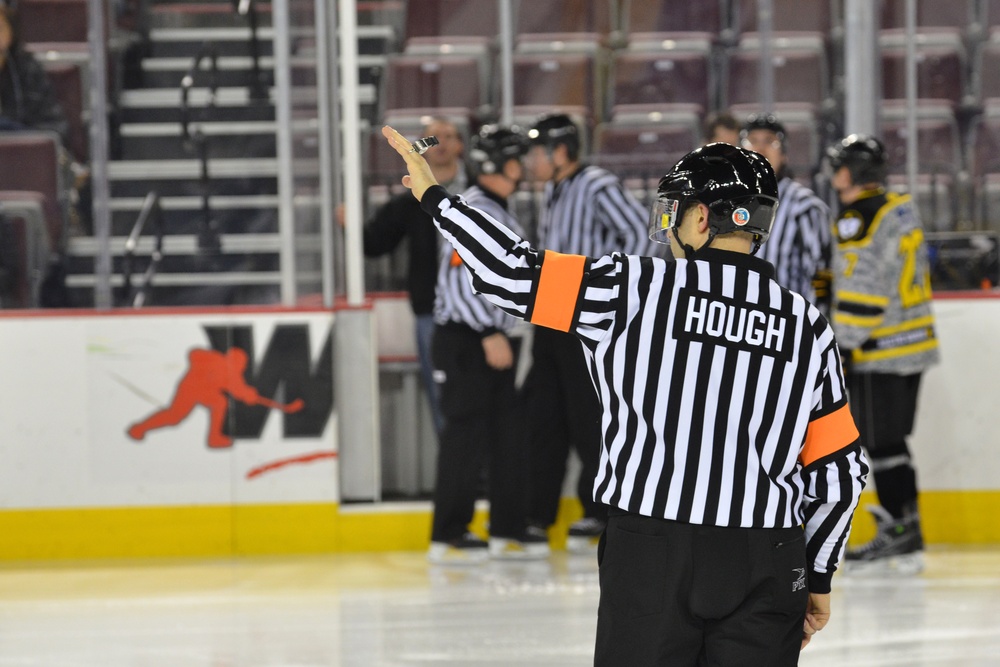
column 663, row 215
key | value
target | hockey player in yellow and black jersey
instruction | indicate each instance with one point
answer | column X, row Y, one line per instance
column 730, row 462
column 885, row 329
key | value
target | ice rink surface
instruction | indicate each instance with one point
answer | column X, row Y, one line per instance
column 395, row 610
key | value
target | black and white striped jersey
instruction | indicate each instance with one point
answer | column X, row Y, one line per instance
column 454, row 299
column 722, row 394
column 590, row 213
column 800, row 240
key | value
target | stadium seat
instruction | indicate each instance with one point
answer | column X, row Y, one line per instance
column 800, row 72
column 30, row 161
column 24, row 248
column 930, row 14
column 53, row 21
column 450, row 18
column 543, row 81
column 67, row 82
column 417, row 83
column 541, row 17
column 674, row 17
column 938, row 144
column 788, row 16
column 665, row 80
column 940, row 66
column 643, row 151
column 986, row 75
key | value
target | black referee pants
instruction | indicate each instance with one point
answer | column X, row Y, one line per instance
column 884, row 407
column 479, row 430
column 562, row 411
column 682, row 595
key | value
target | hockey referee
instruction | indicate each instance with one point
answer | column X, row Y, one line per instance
column 726, row 428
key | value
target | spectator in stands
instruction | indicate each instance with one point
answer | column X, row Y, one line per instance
column 474, row 361
column 800, row 240
column 585, row 211
column 401, row 217
column 27, row 100
column 722, row 127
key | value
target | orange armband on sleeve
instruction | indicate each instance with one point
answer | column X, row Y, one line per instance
column 558, row 289
column 828, row 434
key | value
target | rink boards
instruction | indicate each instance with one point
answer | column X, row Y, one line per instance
column 75, row 484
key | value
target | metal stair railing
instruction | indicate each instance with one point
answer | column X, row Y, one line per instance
column 209, row 243
column 152, row 214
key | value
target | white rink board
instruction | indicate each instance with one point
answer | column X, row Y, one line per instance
column 956, row 439
column 75, row 384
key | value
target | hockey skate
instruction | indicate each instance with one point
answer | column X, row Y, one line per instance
column 533, row 544
column 465, row 550
column 584, row 535
column 896, row 549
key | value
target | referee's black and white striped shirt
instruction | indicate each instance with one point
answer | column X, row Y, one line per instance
column 722, row 394
column 800, row 239
column 590, row 213
column 455, row 302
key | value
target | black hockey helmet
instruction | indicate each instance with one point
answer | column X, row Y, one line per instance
column 551, row 130
column 737, row 185
column 763, row 121
column 863, row 155
column 492, row 147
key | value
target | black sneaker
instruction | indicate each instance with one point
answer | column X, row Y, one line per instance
column 466, row 550
column 897, row 547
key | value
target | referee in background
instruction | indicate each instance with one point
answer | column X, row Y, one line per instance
column 799, row 246
column 730, row 457
column 585, row 211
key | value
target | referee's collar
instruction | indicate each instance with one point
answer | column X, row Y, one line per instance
column 739, row 259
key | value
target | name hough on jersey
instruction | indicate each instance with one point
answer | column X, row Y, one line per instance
column 723, row 322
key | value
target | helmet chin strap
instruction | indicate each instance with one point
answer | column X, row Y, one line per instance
column 689, row 252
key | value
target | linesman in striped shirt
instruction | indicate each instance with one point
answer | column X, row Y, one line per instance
column 730, row 458
column 585, row 211
column 474, row 367
column 799, row 245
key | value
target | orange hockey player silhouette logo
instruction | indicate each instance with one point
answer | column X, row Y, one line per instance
column 212, row 379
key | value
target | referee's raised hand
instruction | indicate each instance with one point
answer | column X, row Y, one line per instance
column 420, row 177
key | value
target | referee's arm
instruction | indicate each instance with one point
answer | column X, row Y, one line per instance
column 541, row 287
column 835, row 468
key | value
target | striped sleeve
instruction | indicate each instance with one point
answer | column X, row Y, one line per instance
column 800, row 239
column 546, row 288
column 623, row 217
column 835, row 468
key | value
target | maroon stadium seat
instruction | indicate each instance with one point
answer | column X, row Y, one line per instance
column 428, row 82
column 673, row 17
column 930, row 14
column 938, row 144
column 67, row 82
column 643, row 151
column 53, row 20
column 788, row 16
column 550, row 80
column 940, row 66
column 451, row 18
column 800, row 72
column 30, row 161
column 667, row 80
column 564, row 16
